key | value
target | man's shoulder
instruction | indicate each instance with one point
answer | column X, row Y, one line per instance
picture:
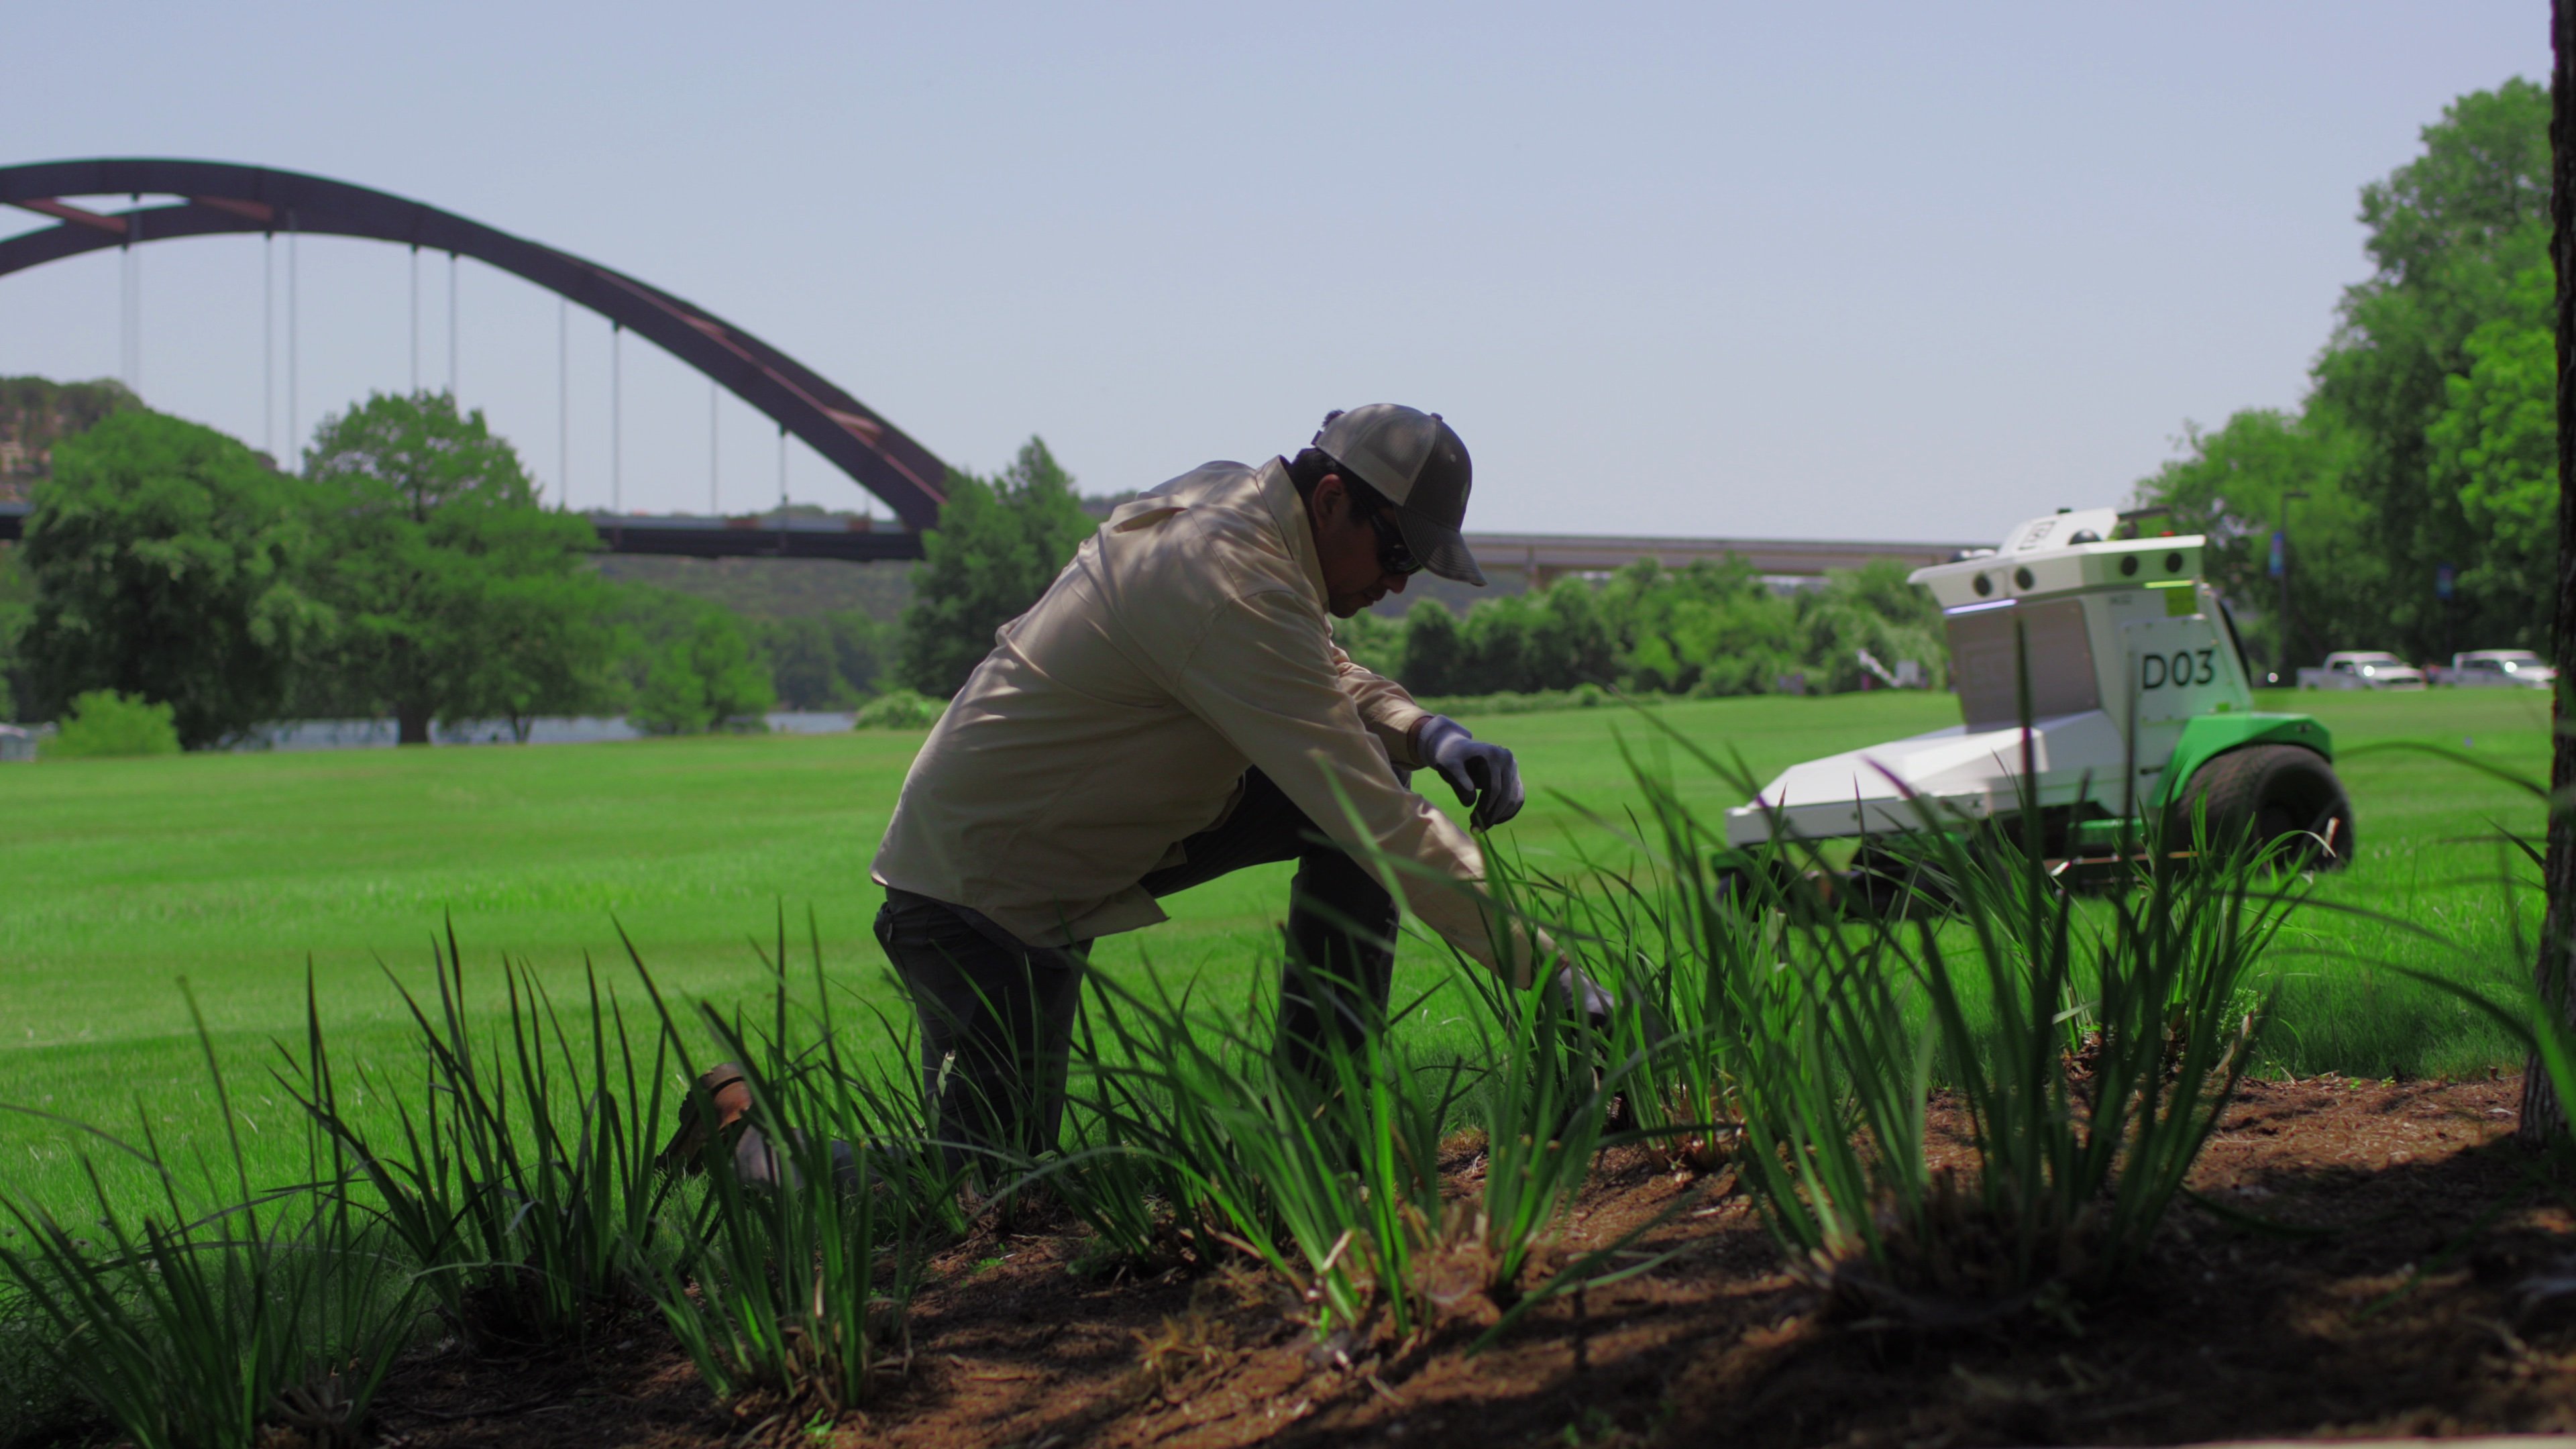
column 1209, row 485
column 1215, row 522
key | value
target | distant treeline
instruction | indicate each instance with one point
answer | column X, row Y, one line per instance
column 410, row 571
column 1709, row 629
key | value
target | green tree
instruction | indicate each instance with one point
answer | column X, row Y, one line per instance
column 2494, row 449
column 1374, row 642
column 861, row 649
column 804, row 668
column 17, row 605
column 1494, row 654
column 1872, row 607
column 1709, row 629
column 2454, row 235
column 1570, row 641
column 1434, row 651
column 458, row 596
column 169, row 563
column 2234, row 486
column 999, row 543
column 692, row 664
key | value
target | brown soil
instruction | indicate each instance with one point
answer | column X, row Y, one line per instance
column 2405, row 1308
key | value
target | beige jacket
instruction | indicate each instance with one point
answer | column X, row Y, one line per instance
column 1186, row 641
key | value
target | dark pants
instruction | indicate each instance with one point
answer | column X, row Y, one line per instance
column 997, row 1015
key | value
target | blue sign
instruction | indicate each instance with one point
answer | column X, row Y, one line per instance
column 2280, row 553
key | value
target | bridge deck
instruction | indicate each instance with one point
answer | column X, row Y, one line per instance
column 1538, row 557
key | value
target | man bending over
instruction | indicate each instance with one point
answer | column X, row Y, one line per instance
column 1175, row 708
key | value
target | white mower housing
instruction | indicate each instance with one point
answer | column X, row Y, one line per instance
column 2124, row 639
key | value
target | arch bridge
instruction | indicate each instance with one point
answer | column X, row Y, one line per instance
column 217, row 198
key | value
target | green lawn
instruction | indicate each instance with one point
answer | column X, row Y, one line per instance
column 233, row 872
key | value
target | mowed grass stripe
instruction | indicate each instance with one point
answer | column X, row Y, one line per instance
column 233, row 871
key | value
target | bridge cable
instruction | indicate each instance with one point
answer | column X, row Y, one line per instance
column 129, row 283
column 715, row 460
column 293, row 391
column 616, row 419
column 415, row 321
column 451, row 327
column 268, row 344
column 563, row 402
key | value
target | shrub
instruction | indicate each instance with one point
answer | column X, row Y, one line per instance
column 899, row 709
column 104, row 723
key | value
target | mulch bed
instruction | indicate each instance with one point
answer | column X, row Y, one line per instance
column 2402, row 1308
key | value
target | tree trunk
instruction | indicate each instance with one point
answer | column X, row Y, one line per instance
column 411, row 725
column 2544, row 1117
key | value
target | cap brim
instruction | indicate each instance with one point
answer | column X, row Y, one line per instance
column 1441, row 548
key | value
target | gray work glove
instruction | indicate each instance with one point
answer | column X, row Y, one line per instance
column 1485, row 776
column 1570, row 990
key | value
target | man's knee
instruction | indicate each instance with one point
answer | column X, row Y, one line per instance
column 1332, row 883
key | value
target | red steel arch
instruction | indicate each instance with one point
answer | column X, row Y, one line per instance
column 221, row 198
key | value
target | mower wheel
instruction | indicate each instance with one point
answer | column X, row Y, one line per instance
column 2268, row 796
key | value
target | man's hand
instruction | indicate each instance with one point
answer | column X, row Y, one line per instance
column 1485, row 776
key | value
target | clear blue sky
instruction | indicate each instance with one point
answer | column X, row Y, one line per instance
column 1871, row 271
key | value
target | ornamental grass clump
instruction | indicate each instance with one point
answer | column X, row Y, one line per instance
column 520, row 1173
column 1196, row 1130
column 270, row 1317
column 1832, row 1022
column 796, row 1282
column 1142, row 1146
column 1559, row 1075
column 1327, row 1171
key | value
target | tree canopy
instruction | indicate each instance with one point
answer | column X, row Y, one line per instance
column 691, row 666
column 169, row 563
column 2427, row 449
column 1000, row 542
column 458, row 597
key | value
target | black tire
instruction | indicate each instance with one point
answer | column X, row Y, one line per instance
column 2264, row 794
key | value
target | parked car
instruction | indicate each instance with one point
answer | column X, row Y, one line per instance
column 2363, row 669
column 2499, row 669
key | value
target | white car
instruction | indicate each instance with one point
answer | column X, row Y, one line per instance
column 2363, row 669
column 2500, row 669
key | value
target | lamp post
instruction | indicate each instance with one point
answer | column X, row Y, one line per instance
column 2281, row 571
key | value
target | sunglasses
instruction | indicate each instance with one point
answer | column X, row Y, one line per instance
column 1394, row 555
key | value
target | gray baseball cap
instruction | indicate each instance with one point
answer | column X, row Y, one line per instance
column 1418, row 463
